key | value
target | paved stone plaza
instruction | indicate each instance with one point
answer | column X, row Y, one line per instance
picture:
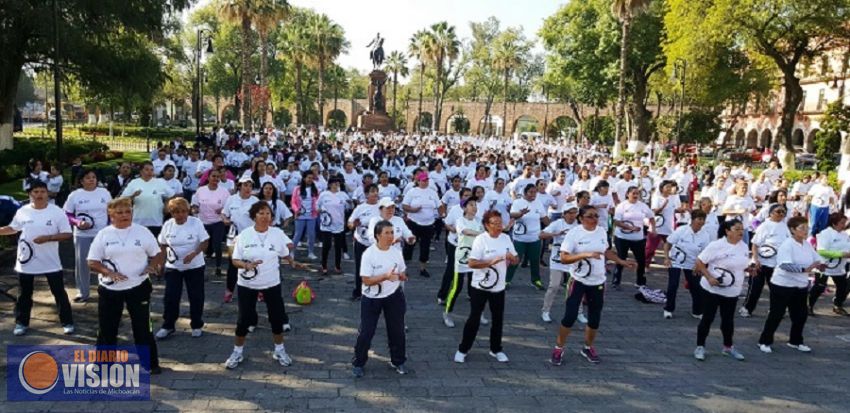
column 647, row 362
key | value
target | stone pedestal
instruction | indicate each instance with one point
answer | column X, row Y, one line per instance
column 376, row 118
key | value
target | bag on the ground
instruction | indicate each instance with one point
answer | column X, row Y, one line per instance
column 303, row 294
column 650, row 296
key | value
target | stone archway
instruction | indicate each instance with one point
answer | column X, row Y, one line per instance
column 457, row 123
column 766, row 139
column 526, row 123
column 562, row 126
column 798, row 138
column 740, row 137
column 752, row 138
column 809, row 145
column 424, row 124
column 336, row 119
column 493, row 127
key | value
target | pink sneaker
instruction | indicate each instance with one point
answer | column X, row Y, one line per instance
column 557, row 356
column 228, row 296
column 260, row 297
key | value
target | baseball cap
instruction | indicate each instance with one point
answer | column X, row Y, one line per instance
column 568, row 206
column 386, row 202
column 244, row 179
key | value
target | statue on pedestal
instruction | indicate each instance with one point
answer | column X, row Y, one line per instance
column 377, row 51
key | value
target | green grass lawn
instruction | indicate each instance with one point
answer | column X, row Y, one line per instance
column 15, row 189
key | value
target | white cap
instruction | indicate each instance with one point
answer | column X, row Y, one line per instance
column 386, row 202
column 245, row 179
column 568, row 206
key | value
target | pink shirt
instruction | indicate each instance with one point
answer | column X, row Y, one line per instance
column 210, row 203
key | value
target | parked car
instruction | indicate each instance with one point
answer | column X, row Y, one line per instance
column 805, row 160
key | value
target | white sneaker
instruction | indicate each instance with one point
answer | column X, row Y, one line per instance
column 501, row 356
column 447, row 320
column 287, row 328
column 68, row 329
column 312, row 256
column 345, row 256
column 545, row 317
column 20, row 330
column 484, row 321
column 801, row 347
column 699, row 353
column 582, row 318
column 667, row 315
column 460, row 357
column 765, row 348
column 234, row 360
column 197, row 332
column 282, row 358
column 697, row 316
column 251, row 329
column 163, row 333
column 743, row 312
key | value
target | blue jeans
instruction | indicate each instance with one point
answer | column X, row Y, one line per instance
column 308, row 225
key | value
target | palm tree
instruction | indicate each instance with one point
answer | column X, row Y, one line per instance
column 242, row 13
column 508, row 50
column 327, row 41
column 269, row 14
column 397, row 65
column 442, row 47
column 417, row 48
column 625, row 10
column 295, row 45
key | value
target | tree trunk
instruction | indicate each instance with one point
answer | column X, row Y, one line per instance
column 421, row 87
column 8, row 88
column 395, row 84
column 505, row 104
column 621, row 88
column 488, row 105
column 244, row 113
column 299, row 93
column 438, row 80
column 321, row 99
column 640, row 115
column 793, row 97
column 264, row 72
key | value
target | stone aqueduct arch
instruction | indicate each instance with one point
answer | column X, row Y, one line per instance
column 802, row 138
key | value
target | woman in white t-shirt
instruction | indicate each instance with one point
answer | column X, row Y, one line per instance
column 124, row 254
column 42, row 225
column 680, row 251
column 834, row 245
column 739, row 206
column 331, row 205
column 358, row 222
column 467, row 227
column 454, row 213
column 281, row 215
column 148, row 195
column 629, row 220
column 183, row 240
column 789, row 286
column 722, row 266
column 257, row 253
column 420, row 205
column 586, row 249
column 528, row 214
column 86, row 210
column 768, row 238
column 558, row 271
column 489, row 257
column 235, row 215
column 169, row 176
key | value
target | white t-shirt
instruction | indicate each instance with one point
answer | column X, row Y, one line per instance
column 429, row 201
column 560, row 227
column 768, row 237
column 451, row 198
column 236, row 210
column 588, row 271
column 182, row 240
column 685, row 245
column 125, row 251
column 464, row 242
column 269, row 248
column 455, row 213
column 607, row 202
column 147, row 207
column 497, row 201
column 32, row 223
column 726, row 263
column 822, row 195
column 527, row 228
column 280, row 210
column 400, row 230
column 332, row 211
column 712, row 226
column 377, row 262
column 634, row 213
column 485, row 247
column 735, row 202
column 365, row 213
column 793, row 252
column 560, row 193
column 390, row 191
column 664, row 220
column 831, row 240
column 89, row 206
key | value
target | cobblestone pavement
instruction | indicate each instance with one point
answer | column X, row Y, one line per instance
column 647, row 362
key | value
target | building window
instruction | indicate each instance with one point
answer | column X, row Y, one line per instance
column 824, row 66
column 821, row 99
column 802, row 107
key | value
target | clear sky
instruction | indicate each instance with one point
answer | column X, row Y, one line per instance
column 397, row 20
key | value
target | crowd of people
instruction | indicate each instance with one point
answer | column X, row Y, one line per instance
column 504, row 208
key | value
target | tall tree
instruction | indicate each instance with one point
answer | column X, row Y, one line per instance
column 243, row 13
column 397, row 65
column 510, row 48
column 626, row 11
column 269, row 15
column 483, row 77
column 418, row 48
column 784, row 31
column 88, row 38
column 294, row 45
column 327, row 42
column 442, row 50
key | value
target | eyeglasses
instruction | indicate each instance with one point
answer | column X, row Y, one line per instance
column 780, row 211
column 591, row 216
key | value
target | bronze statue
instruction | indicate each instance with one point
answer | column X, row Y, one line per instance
column 377, row 51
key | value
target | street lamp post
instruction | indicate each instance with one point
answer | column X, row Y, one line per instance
column 199, row 111
column 57, row 99
column 680, row 67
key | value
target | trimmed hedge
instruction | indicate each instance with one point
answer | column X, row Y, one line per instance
column 13, row 162
column 139, row 132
